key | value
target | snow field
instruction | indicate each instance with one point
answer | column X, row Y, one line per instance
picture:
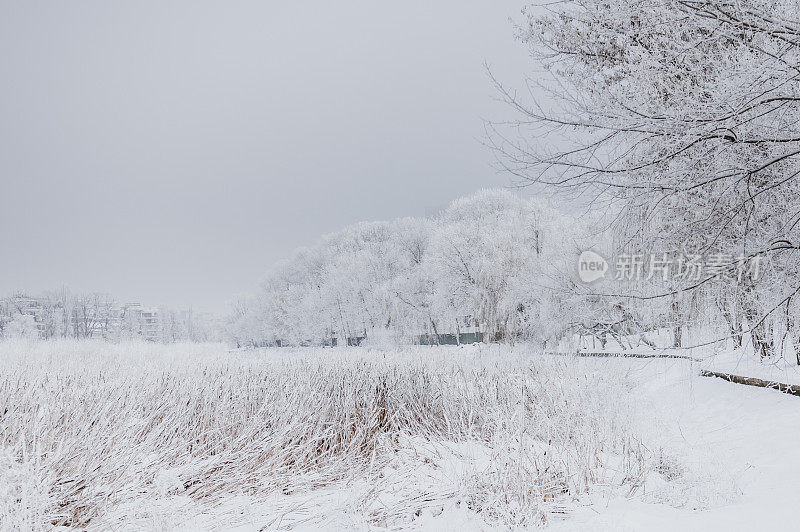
column 98, row 435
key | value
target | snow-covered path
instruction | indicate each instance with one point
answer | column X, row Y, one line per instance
column 750, row 436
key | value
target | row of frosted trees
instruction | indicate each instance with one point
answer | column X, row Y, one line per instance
column 492, row 266
column 496, row 267
column 676, row 123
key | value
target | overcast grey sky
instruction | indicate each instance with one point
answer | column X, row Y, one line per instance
column 170, row 152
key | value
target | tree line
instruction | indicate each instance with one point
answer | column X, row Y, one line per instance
column 674, row 124
column 63, row 314
column 481, row 267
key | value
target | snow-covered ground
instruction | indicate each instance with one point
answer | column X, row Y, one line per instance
column 743, row 439
column 732, row 460
column 475, row 438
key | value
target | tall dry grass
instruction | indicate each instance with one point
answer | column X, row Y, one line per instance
column 87, row 428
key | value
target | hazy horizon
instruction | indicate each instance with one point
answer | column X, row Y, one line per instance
column 172, row 153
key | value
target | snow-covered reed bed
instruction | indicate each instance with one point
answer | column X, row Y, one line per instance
column 93, row 434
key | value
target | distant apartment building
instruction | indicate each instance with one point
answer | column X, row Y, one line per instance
column 83, row 318
column 59, row 314
column 143, row 321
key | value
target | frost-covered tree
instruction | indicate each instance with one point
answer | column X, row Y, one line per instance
column 683, row 114
column 22, row 327
column 489, row 260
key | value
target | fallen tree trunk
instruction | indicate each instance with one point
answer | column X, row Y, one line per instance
column 791, row 389
column 621, row 354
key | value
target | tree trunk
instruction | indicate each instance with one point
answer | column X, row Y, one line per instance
column 797, row 350
column 733, row 324
column 677, row 329
column 435, row 332
column 763, row 343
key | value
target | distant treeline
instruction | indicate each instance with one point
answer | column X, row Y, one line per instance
column 64, row 314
